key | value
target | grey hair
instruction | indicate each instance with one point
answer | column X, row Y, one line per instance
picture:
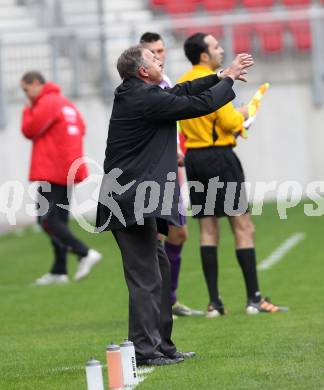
column 130, row 61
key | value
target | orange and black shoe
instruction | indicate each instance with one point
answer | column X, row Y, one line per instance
column 215, row 310
column 263, row 306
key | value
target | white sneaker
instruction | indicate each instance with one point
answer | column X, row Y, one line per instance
column 86, row 263
column 51, row 279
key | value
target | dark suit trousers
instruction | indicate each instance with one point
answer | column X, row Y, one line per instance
column 147, row 274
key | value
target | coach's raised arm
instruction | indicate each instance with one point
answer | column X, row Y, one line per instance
column 198, row 97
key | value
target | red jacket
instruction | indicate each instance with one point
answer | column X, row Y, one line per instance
column 56, row 129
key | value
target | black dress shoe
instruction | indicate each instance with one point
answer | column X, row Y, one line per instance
column 183, row 355
column 159, row 361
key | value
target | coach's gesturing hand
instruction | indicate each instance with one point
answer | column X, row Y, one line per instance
column 238, row 67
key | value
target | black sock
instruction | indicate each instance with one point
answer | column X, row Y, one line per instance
column 247, row 260
column 210, row 267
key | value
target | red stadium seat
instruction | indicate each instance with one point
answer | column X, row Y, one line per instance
column 271, row 37
column 180, row 6
column 157, row 3
column 219, row 5
column 293, row 3
column 242, row 38
column 301, row 33
column 257, row 3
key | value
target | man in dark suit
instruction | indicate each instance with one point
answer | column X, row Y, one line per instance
column 142, row 154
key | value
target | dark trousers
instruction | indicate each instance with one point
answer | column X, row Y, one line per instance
column 147, row 274
column 55, row 223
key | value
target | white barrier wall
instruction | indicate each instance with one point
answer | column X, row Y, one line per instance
column 285, row 143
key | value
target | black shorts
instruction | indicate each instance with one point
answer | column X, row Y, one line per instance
column 216, row 182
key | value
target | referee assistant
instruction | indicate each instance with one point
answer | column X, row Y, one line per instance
column 209, row 142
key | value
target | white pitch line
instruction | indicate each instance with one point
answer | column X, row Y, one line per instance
column 280, row 252
column 142, row 374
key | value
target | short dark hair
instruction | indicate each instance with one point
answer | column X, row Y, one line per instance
column 149, row 37
column 194, row 46
column 129, row 62
column 33, row 75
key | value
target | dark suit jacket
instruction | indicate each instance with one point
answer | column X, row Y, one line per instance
column 142, row 143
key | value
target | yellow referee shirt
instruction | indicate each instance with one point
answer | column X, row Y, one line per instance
column 215, row 129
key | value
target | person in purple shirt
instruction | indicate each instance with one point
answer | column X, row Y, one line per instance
column 177, row 234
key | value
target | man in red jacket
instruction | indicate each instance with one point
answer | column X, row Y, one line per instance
column 56, row 129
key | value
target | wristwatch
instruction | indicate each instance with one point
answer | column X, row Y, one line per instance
column 218, row 74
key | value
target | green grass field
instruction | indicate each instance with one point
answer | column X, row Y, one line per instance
column 48, row 333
